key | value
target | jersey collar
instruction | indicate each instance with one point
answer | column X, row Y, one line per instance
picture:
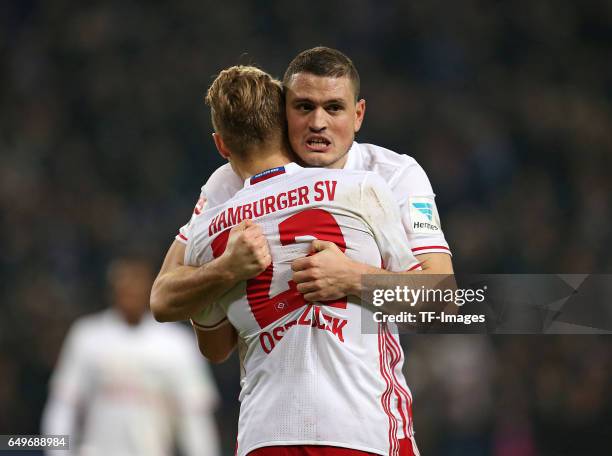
column 289, row 168
column 352, row 162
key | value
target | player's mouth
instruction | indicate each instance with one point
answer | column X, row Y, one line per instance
column 317, row 143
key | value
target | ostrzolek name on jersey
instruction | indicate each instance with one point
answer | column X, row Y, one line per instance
column 299, row 196
column 312, row 316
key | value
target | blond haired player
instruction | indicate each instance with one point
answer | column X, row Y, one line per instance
column 312, row 382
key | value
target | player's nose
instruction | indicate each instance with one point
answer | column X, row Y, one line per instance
column 317, row 121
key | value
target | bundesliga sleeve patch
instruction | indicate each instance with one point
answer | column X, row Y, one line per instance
column 424, row 216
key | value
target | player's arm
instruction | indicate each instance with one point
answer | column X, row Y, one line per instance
column 217, row 344
column 419, row 214
column 330, row 274
column 434, row 263
column 179, row 291
column 66, row 390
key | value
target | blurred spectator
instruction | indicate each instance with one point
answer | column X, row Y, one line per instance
column 126, row 385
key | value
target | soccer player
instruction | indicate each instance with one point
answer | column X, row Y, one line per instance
column 324, row 112
column 313, row 382
column 126, row 385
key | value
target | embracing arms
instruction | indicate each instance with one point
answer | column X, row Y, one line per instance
column 180, row 291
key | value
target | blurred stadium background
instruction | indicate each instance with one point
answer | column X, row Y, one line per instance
column 105, row 142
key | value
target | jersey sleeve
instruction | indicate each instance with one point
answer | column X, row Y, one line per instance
column 67, row 388
column 414, row 194
column 379, row 206
column 220, row 187
column 211, row 318
column 67, row 381
column 201, row 205
column 198, row 251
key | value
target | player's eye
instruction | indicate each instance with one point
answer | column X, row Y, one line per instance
column 304, row 107
column 335, row 108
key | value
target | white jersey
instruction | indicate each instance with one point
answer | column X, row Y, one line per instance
column 405, row 177
column 310, row 375
column 135, row 390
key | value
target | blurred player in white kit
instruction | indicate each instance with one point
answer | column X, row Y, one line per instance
column 312, row 381
column 125, row 385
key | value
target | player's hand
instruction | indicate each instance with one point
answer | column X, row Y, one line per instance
column 247, row 253
column 326, row 275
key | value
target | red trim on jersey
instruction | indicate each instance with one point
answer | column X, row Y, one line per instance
column 182, row 236
column 407, row 394
column 416, row 266
column 307, row 450
column 395, row 350
column 395, row 343
column 398, row 348
column 395, row 358
column 386, row 396
column 407, row 447
column 400, row 406
column 431, row 247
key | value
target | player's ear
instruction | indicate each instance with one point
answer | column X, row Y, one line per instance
column 221, row 147
column 360, row 108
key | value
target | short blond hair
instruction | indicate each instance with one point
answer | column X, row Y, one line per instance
column 247, row 107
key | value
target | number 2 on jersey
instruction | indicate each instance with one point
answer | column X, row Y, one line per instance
column 267, row 309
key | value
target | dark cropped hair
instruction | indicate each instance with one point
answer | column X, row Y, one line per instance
column 323, row 61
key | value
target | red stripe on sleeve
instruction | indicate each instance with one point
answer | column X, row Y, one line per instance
column 428, row 247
